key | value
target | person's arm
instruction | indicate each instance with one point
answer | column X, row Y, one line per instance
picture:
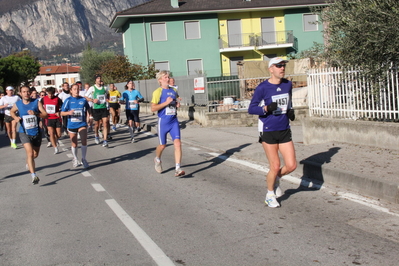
column 43, row 114
column 64, row 109
column 13, row 112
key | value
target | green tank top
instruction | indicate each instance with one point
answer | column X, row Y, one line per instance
column 99, row 94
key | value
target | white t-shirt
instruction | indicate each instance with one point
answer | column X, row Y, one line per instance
column 9, row 100
column 63, row 96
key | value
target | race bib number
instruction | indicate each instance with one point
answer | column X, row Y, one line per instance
column 30, row 121
column 113, row 99
column 101, row 99
column 77, row 116
column 132, row 105
column 170, row 110
column 282, row 103
column 50, row 108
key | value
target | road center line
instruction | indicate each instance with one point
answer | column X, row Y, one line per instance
column 146, row 242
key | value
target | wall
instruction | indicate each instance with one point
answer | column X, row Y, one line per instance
column 379, row 134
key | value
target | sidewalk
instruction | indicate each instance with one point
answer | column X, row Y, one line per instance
column 367, row 170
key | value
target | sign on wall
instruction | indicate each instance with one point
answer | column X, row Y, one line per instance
column 199, row 85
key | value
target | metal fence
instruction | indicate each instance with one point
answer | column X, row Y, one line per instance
column 338, row 94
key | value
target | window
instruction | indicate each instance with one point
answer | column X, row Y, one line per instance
column 233, row 64
column 158, row 32
column 310, row 22
column 194, row 67
column 192, row 30
column 163, row 65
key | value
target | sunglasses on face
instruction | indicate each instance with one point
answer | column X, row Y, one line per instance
column 280, row 65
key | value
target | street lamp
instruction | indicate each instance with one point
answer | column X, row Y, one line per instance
column 66, row 62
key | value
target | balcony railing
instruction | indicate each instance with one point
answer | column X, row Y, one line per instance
column 262, row 40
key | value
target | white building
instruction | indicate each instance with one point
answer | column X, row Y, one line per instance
column 55, row 76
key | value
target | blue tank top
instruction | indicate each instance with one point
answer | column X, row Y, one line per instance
column 80, row 106
column 29, row 123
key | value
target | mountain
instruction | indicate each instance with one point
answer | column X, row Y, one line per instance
column 49, row 27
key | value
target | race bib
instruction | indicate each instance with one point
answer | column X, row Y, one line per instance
column 282, row 103
column 113, row 99
column 30, row 121
column 50, row 108
column 77, row 116
column 101, row 99
column 170, row 110
column 132, row 105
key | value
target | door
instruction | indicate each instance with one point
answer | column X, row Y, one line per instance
column 234, row 32
column 268, row 31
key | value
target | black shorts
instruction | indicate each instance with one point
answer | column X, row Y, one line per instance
column 8, row 118
column 98, row 114
column 55, row 123
column 115, row 106
column 276, row 137
column 133, row 115
column 36, row 141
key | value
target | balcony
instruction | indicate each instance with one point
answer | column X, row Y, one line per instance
column 257, row 41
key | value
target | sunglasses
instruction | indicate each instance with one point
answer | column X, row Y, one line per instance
column 280, row 65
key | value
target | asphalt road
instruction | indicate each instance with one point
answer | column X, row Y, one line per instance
column 121, row 212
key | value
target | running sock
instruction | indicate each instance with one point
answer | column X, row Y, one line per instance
column 12, row 141
column 270, row 193
column 158, row 159
column 33, row 174
column 75, row 152
column 177, row 166
column 84, row 151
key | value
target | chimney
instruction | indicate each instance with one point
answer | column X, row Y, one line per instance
column 174, row 3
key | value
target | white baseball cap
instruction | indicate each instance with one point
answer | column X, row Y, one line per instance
column 276, row 60
column 9, row 88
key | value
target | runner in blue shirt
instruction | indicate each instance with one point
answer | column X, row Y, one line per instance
column 164, row 100
column 76, row 108
column 132, row 98
column 272, row 101
column 30, row 110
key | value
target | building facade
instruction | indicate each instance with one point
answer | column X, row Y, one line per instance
column 199, row 37
column 55, row 76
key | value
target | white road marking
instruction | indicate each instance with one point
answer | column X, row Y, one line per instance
column 194, row 148
column 69, row 155
column 98, row 187
column 146, row 242
column 150, row 134
column 86, row 173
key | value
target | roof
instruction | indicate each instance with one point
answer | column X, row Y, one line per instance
column 50, row 70
column 164, row 7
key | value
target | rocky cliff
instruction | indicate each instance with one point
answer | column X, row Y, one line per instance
column 45, row 26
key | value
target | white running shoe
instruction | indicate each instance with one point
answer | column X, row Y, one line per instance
column 56, row 150
column 179, row 172
column 75, row 163
column 277, row 188
column 49, row 145
column 158, row 166
column 105, row 143
column 271, row 201
column 35, row 180
column 85, row 164
column 97, row 140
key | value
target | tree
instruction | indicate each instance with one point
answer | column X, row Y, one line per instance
column 91, row 63
column 17, row 69
column 362, row 33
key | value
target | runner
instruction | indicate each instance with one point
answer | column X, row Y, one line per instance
column 132, row 98
column 52, row 104
column 1, row 114
column 90, row 116
column 164, row 100
column 29, row 132
column 272, row 101
column 63, row 96
column 76, row 108
column 99, row 96
column 6, row 103
column 114, row 106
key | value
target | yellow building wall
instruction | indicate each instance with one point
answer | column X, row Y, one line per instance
column 250, row 24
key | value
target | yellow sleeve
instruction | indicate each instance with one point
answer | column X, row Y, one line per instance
column 156, row 96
